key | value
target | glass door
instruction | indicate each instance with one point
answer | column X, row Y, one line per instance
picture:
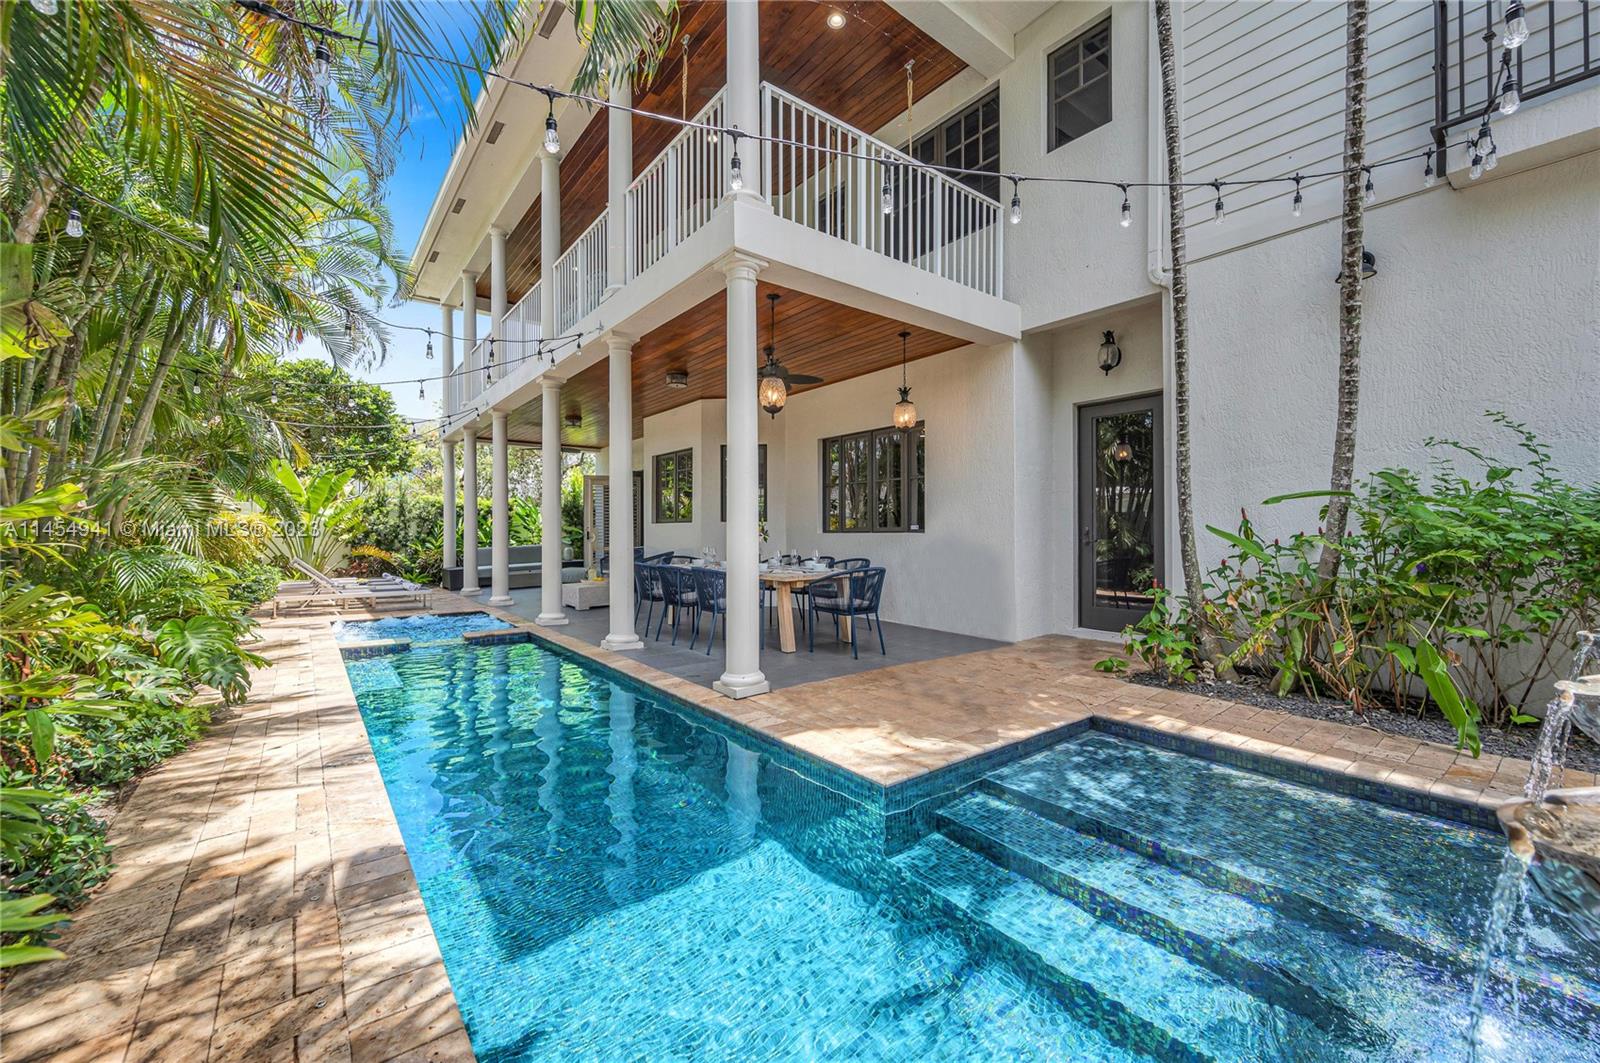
column 1120, row 510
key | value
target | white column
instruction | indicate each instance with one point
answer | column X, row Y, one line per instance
column 549, row 240
column 744, row 90
column 620, row 477
column 469, row 507
column 451, row 393
column 500, row 507
column 469, row 328
column 619, row 171
column 741, row 675
column 447, row 458
column 550, row 613
column 497, row 295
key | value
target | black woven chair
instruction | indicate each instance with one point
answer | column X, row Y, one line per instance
column 863, row 591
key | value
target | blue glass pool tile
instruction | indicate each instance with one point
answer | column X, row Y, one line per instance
column 418, row 629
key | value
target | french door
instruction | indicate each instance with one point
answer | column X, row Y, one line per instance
column 1120, row 510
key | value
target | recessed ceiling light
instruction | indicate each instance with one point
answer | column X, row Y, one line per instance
column 836, row 20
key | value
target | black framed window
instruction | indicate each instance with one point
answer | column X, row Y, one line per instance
column 969, row 140
column 674, row 495
column 761, row 482
column 875, row 481
column 1079, row 86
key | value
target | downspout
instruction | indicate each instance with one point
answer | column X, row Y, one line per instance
column 1156, row 268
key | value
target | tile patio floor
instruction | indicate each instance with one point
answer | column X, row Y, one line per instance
column 247, row 922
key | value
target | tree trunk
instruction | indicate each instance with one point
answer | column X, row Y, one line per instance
column 178, row 331
column 1193, row 580
column 1354, row 224
column 119, row 382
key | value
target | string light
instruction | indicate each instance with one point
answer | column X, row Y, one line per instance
column 1516, row 25
column 1299, row 205
column 1477, row 161
column 1510, row 98
column 1127, row 209
column 74, row 223
column 428, row 352
column 1221, row 211
column 238, row 294
column 1491, row 158
column 1016, row 201
column 887, row 199
column 1427, row 171
column 422, row 390
column 45, row 7
column 1369, row 194
column 735, row 170
column 552, row 136
column 321, row 65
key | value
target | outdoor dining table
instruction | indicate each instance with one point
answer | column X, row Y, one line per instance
column 784, row 581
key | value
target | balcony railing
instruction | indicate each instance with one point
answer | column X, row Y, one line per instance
column 580, row 276
column 677, row 193
column 1563, row 48
column 830, row 177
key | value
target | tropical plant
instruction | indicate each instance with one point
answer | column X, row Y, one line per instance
column 325, row 516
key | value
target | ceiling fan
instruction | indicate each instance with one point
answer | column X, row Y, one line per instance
column 776, row 381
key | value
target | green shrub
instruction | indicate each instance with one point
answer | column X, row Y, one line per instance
column 1464, row 588
column 255, row 582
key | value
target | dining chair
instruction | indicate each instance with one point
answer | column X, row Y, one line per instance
column 802, row 594
column 678, row 587
column 828, row 588
column 647, row 587
column 863, row 591
column 711, row 597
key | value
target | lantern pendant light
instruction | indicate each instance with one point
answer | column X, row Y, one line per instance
column 772, row 391
column 905, row 411
column 1122, row 450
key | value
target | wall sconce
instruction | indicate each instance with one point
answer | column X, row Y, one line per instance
column 1369, row 267
column 1110, row 353
column 677, row 378
column 574, row 419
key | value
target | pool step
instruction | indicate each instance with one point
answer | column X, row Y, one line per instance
column 1151, row 1000
column 1286, row 963
column 1247, row 881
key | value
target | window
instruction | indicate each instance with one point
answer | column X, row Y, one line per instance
column 1080, row 85
column 761, row 483
column 675, row 487
column 969, row 140
column 875, row 481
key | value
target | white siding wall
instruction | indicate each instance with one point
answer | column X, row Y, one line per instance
column 1263, row 94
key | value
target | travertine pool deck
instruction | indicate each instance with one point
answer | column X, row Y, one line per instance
column 263, row 907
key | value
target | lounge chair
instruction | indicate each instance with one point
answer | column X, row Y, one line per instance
column 322, row 589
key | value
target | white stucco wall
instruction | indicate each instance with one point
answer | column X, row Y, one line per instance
column 959, row 575
column 1488, row 298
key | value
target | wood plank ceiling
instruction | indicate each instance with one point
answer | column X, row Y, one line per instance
column 815, row 337
column 856, row 73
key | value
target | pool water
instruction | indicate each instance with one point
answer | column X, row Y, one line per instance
column 613, row 877
column 419, row 629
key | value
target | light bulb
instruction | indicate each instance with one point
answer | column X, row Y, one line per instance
column 1491, row 158
column 74, row 223
column 1016, row 208
column 422, row 390
column 1127, row 213
column 1221, row 212
column 1298, row 206
column 735, row 172
column 321, row 65
column 1477, row 165
column 429, row 352
column 238, row 294
column 888, row 197
column 1369, row 195
column 552, row 137
column 1510, row 98
column 45, row 7
column 1427, row 172
column 1516, row 26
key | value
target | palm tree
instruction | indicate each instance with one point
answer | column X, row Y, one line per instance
column 1192, row 579
column 1353, row 228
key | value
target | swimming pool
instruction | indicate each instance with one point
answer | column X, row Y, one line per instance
column 426, row 627
column 614, row 877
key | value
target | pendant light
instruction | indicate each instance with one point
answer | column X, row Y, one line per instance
column 905, row 411
column 1122, row 450
column 773, row 391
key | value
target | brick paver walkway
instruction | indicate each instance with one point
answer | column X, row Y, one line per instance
column 263, row 907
